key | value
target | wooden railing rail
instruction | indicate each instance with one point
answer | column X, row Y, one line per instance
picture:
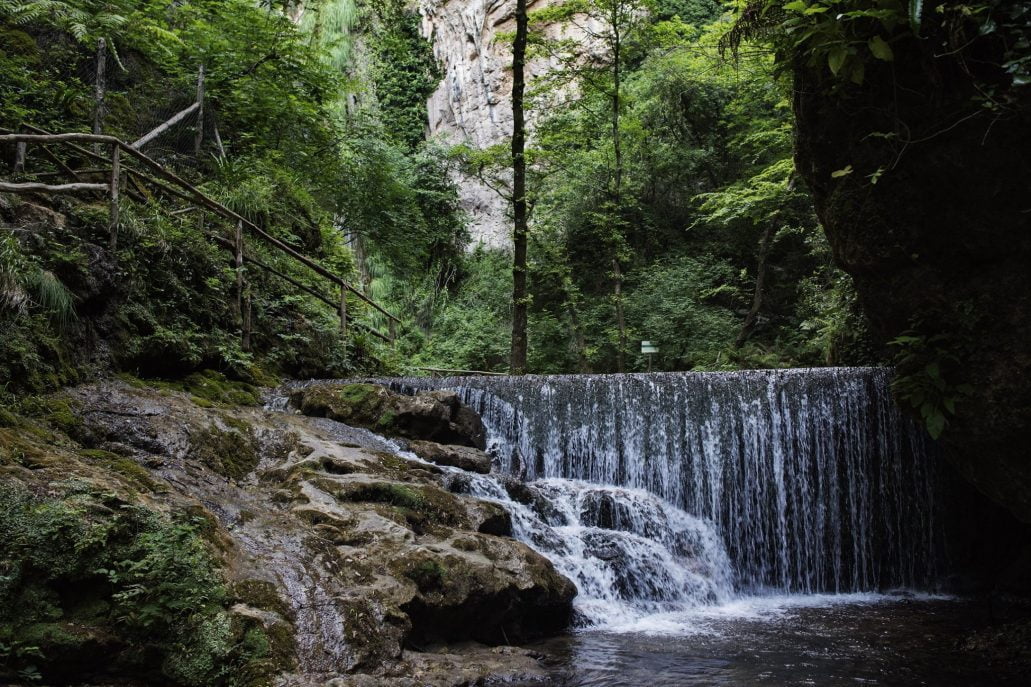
column 173, row 185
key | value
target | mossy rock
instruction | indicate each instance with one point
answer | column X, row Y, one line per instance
column 261, row 594
column 207, row 389
column 127, row 468
column 422, row 507
column 232, row 452
column 360, row 404
column 59, row 413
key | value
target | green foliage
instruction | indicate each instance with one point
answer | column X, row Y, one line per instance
column 847, row 36
column 25, row 286
column 693, row 12
column 470, row 329
column 405, row 72
column 926, row 364
column 80, row 566
column 685, row 306
column 167, row 308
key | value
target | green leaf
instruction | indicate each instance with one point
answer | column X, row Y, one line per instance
column 916, row 11
column 880, row 49
column 936, row 425
column 857, row 73
column 836, row 58
column 796, row 6
column 837, row 174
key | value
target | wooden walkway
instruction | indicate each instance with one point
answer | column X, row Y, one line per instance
column 121, row 179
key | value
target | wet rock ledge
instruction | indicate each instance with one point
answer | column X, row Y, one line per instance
column 353, row 561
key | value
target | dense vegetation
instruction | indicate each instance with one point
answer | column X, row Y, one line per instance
column 681, row 222
column 310, row 154
column 664, row 202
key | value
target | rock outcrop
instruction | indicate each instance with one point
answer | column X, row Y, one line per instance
column 940, row 246
column 347, row 555
column 436, row 416
column 473, row 104
column 471, row 459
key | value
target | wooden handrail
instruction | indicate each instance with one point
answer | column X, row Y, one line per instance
column 476, row 373
column 303, row 287
column 50, row 188
column 188, row 192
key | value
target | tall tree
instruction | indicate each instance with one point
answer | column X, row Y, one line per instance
column 519, row 294
column 608, row 29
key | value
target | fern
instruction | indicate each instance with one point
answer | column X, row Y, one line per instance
column 24, row 286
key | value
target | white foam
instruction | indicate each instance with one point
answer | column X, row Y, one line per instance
column 707, row 619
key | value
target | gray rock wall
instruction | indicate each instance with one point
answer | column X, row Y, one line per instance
column 472, row 105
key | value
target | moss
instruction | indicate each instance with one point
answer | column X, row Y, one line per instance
column 59, row 413
column 423, row 508
column 261, row 594
column 127, row 468
column 232, row 453
column 427, row 575
column 354, row 403
column 386, row 421
column 132, row 380
column 15, row 42
column 385, row 492
column 16, row 448
column 210, row 389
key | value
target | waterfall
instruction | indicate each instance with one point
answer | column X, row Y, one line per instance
column 809, row 480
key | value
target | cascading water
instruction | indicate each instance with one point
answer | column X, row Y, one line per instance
column 663, row 491
column 629, row 553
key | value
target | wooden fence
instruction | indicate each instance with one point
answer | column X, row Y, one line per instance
column 122, row 179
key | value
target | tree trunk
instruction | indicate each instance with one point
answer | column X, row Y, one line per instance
column 199, row 136
column 617, row 144
column 760, row 285
column 99, row 88
column 519, row 292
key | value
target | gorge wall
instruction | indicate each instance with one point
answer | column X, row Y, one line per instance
column 472, row 104
column 940, row 246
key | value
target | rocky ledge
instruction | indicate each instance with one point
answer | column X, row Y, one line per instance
column 349, row 553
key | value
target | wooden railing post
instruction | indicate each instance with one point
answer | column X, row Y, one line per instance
column 20, row 152
column 392, row 326
column 238, row 248
column 99, row 88
column 200, row 112
column 343, row 314
column 116, row 173
column 247, row 317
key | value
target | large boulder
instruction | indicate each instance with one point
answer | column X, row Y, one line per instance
column 435, row 416
column 481, row 587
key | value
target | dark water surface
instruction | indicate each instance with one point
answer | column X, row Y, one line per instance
column 896, row 642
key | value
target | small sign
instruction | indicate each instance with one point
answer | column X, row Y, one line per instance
column 648, row 348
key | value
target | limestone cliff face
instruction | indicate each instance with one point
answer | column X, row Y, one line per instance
column 473, row 104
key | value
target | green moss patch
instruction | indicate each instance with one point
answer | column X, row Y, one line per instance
column 125, row 467
column 232, row 452
column 210, row 389
column 423, row 508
